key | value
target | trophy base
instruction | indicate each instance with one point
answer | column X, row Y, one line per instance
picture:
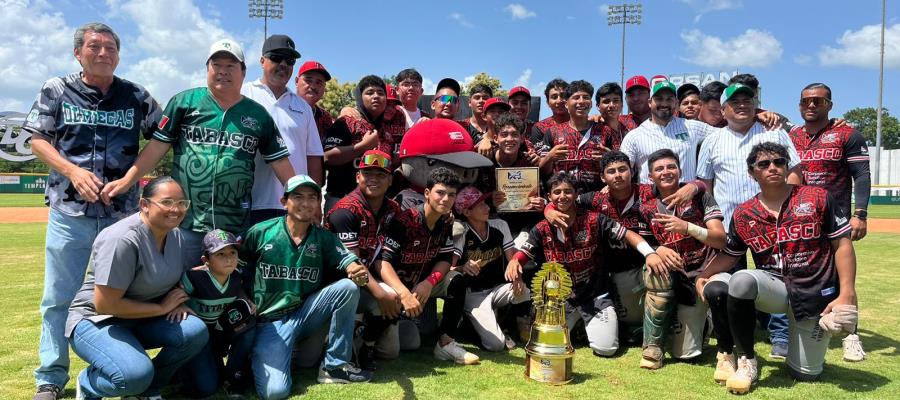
column 554, row 370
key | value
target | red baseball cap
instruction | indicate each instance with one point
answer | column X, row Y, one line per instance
column 442, row 139
column 495, row 101
column 519, row 90
column 657, row 79
column 391, row 93
column 314, row 66
column 375, row 159
column 636, row 81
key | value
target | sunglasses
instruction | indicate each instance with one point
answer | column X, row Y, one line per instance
column 170, row 204
column 763, row 164
column 447, row 99
column 375, row 160
column 816, row 101
column 277, row 59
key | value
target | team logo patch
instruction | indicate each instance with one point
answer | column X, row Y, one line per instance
column 194, row 113
column 32, row 116
column 267, row 247
column 829, row 138
column 803, row 209
column 250, row 123
column 280, row 141
column 163, row 122
column 312, row 249
column 454, row 135
column 581, row 236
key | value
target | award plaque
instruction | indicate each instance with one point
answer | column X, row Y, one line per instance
column 518, row 184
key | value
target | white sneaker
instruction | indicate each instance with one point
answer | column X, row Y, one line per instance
column 744, row 378
column 724, row 367
column 454, row 352
column 853, row 350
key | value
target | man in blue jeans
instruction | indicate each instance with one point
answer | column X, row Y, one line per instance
column 287, row 257
column 86, row 127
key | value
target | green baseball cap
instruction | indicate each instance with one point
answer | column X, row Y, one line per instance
column 301, row 180
column 663, row 85
column 734, row 89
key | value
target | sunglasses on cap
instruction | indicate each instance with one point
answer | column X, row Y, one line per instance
column 816, row 101
column 277, row 59
column 447, row 99
column 779, row 162
column 374, row 160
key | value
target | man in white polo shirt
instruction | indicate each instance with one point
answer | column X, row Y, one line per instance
column 295, row 120
column 665, row 131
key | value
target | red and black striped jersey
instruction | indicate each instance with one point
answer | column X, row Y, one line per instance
column 825, row 157
column 582, row 146
column 796, row 245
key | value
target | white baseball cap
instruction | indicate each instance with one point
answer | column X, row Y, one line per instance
column 229, row 46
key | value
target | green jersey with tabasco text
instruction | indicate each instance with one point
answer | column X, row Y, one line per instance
column 214, row 153
column 285, row 273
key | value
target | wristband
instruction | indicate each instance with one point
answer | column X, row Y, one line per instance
column 435, row 277
column 645, row 249
column 521, row 257
column 697, row 232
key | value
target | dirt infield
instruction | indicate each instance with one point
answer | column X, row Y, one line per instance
column 21, row 215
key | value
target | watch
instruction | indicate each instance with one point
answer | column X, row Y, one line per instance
column 861, row 214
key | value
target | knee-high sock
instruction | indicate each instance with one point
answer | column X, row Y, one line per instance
column 716, row 294
column 742, row 321
column 453, row 306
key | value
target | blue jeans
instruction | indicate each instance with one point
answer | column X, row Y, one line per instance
column 117, row 362
column 778, row 328
column 68, row 249
column 205, row 372
column 271, row 358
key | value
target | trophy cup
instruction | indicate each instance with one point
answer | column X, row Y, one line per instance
column 548, row 354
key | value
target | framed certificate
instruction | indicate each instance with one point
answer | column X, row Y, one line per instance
column 518, row 184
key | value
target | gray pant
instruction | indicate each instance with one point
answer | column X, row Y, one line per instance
column 629, row 291
column 481, row 307
column 602, row 328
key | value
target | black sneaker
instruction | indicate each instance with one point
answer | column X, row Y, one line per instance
column 344, row 374
column 48, row 392
column 365, row 358
column 779, row 351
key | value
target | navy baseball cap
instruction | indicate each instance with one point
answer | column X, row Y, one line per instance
column 218, row 239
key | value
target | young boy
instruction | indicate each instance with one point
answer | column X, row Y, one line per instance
column 215, row 289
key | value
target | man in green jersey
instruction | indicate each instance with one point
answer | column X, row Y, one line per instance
column 287, row 258
column 215, row 133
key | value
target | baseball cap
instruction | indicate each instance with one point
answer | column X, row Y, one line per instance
column 218, row 239
column 734, row 89
column 495, row 101
column 663, row 85
column 375, row 159
column 237, row 317
column 391, row 93
column 314, row 66
column 519, row 90
column 448, row 83
column 636, row 81
column 280, row 44
column 657, row 79
column 685, row 89
column 301, row 180
column 229, row 46
column 467, row 198
column 442, row 139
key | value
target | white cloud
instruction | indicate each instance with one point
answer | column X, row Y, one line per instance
column 524, row 78
column 603, row 9
column 428, row 86
column 518, row 11
column 752, row 48
column 461, row 20
column 862, row 48
column 802, row 59
column 37, row 45
column 705, row 6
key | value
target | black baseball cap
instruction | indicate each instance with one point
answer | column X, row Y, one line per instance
column 685, row 89
column 448, row 83
column 280, row 44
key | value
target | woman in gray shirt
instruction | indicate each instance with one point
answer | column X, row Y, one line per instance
column 129, row 301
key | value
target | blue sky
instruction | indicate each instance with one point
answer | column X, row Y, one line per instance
column 787, row 44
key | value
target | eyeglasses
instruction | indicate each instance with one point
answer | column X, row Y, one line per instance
column 277, row 59
column 779, row 162
column 374, row 160
column 410, row 85
column 447, row 99
column 816, row 101
column 169, row 203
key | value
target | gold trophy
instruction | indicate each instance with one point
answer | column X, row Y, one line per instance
column 548, row 354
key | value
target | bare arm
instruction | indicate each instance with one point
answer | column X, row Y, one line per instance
column 109, row 301
column 314, row 167
column 795, row 176
column 845, row 263
column 149, row 157
column 283, row 169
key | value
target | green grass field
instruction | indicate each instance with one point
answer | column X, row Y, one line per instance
column 417, row 375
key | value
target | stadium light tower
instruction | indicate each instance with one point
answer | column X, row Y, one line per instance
column 880, row 94
column 266, row 9
column 624, row 14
